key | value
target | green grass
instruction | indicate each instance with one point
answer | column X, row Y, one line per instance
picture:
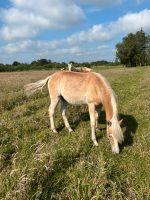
column 38, row 164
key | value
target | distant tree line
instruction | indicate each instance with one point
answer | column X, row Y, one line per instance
column 134, row 50
column 35, row 65
column 44, row 64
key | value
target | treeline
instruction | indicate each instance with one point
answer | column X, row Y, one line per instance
column 44, row 64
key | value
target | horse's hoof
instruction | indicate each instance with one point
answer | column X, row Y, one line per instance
column 95, row 144
column 70, row 130
column 54, row 131
column 115, row 151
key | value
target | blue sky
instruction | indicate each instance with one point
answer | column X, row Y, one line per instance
column 65, row 30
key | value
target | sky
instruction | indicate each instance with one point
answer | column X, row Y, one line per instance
column 68, row 30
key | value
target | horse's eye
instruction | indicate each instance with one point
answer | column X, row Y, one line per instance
column 109, row 123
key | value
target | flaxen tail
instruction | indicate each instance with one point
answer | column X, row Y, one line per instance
column 33, row 87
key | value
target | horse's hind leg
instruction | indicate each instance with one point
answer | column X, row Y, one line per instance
column 93, row 122
column 96, row 118
column 97, row 114
column 51, row 111
column 63, row 111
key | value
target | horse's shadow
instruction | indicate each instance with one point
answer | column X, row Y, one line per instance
column 129, row 125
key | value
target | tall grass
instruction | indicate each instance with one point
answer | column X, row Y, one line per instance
column 38, row 164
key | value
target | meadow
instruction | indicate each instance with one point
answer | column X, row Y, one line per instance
column 37, row 164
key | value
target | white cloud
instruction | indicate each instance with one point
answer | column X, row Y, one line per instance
column 130, row 22
column 10, row 33
column 103, row 3
column 86, row 44
column 96, row 33
column 55, row 51
column 55, row 47
column 133, row 22
column 12, row 48
column 26, row 19
column 30, row 46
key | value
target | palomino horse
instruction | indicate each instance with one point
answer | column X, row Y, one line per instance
column 82, row 88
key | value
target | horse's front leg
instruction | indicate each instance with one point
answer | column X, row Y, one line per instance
column 63, row 111
column 51, row 110
column 93, row 122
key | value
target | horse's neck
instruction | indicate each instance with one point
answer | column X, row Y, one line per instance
column 108, row 102
column 108, row 98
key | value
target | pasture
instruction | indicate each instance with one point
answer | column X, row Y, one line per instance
column 36, row 163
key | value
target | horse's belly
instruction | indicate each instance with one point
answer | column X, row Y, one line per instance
column 74, row 99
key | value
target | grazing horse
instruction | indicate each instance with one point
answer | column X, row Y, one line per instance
column 82, row 88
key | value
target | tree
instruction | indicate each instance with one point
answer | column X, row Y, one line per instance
column 42, row 62
column 16, row 63
column 148, row 50
column 132, row 51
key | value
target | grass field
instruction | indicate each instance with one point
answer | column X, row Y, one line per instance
column 37, row 164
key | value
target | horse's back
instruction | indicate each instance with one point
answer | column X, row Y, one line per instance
column 74, row 86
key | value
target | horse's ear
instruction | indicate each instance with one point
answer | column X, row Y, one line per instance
column 120, row 121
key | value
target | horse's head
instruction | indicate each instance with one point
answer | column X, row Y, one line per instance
column 113, row 133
